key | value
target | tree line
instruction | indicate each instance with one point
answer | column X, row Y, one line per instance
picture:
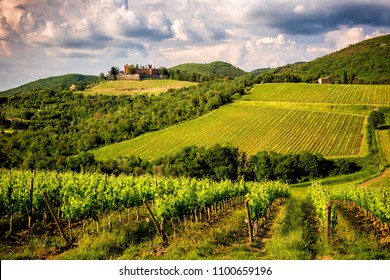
column 223, row 162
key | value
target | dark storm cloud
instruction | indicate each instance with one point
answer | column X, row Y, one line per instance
column 94, row 41
column 146, row 33
column 81, row 44
column 327, row 18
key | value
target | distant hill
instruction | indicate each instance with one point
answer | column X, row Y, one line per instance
column 214, row 69
column 365, row 62
column 64, row 81
column 259, row 71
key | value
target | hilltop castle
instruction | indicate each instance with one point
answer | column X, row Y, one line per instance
column 131, row 72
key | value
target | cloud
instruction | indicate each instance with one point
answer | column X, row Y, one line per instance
column 4, row 37
column 159, row 25
column 313, row 19
column 92, row 35
column 346, row 36
column 179, row 30
column 299, row 9
column 200, row 31
column 78, row 36
column 278, row 41
column 80, row 25
column 248, row 54
column 114, row 17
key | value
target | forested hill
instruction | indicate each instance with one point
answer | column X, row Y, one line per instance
column 364, row 62
column 52, row 83
column 213, row 70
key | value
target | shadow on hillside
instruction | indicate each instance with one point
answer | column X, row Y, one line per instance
column 384, row 127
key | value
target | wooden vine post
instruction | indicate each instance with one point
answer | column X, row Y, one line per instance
column 54, row 216
column 11, row 215
column 248, row 213
column 30, row 215
column 158, row 227
column 328, row 219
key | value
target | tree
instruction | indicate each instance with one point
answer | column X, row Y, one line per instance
column 261, row 166
column 222, row 161
column 102, row 77
column 345, row 77
column 81, row 163
column 287, row 169
column 163, row 71
column 312, row 166
column 113, row 73
column 376, row 119
column 133, row 69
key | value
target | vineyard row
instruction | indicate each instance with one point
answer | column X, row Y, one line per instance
column 314, row 93
column 374, row 203
column 85, row 196
column 252, row 128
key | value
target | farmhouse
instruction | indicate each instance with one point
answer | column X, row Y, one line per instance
column 130, row 72
column 327, row 80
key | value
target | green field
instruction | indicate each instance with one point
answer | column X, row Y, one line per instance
column 137, row 87
column 325, row 119
column 315, row 93
column 251, row 128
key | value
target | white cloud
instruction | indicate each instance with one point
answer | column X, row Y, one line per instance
column 299, row 9
column 277, row 41
column 179, row 30
column 159, row 22
column 346, row 36
column 4, row 37
column 201, row 31
column 248, row 54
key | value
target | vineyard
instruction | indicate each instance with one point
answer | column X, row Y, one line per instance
column 98, row 216
column 314, row 93
column 169, row 209
column 384, row 140
column 252, row 128
column 92, row 196
column 374, row 203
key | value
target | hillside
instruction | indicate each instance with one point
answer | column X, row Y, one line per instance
column 281, row 117
column 251, row 127
column 365, row 62
column 121, row 87
column 64, row 81
column 72, row 122
column 214, row 69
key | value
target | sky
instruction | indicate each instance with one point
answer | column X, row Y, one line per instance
column 43, row 38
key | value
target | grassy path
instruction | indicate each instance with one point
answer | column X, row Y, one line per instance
column 289, row 234
column 293, row 234
column 223, row 238
column 355, row 238
column 384, row 142
column 384, row 175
